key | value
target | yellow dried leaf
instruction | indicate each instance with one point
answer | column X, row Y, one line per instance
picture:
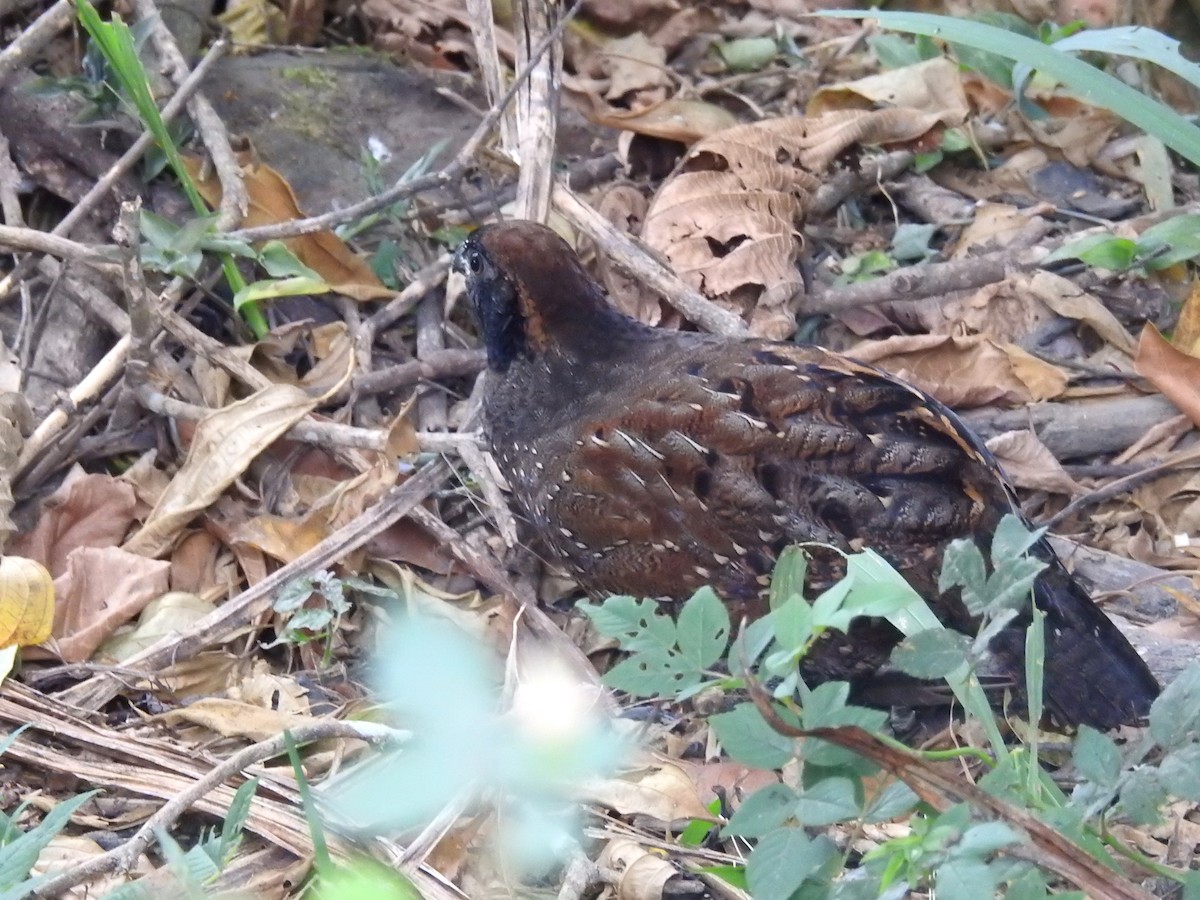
column 26, row 602
column 225, row 443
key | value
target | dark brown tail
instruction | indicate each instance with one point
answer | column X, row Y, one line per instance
column 1093, row 676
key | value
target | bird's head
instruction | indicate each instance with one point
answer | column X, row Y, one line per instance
column 530, row 293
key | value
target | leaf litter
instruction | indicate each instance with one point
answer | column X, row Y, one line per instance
column 177, row 510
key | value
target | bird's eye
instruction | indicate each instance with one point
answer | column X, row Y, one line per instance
column 475, row 262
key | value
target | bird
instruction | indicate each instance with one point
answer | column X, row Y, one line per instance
column 653, row 462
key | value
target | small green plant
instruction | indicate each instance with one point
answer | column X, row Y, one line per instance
column 312, row 608
column 956, row 851
column 19, row 849
column 1159, row 247
column 115, row 42
column 196, row 867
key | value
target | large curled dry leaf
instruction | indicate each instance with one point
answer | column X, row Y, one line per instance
column 932, row 86
column 1029, row 463
column 102, row 589
column 225, row 443
column 1169, row 369
column 26, row 602
column 85, row 511
column 965, row 371
column 729, row 221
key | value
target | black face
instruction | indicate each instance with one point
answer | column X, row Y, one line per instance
column 493, row 299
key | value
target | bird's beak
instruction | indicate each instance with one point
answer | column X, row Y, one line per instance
column 458, row 262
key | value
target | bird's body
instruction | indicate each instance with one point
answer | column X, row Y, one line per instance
column 654, row 462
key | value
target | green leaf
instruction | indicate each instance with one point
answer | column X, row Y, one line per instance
column 1096, row 757
column 793, row 627
column 783, row 860
column 788, row 578
column 18, row 856
column 1100, row 88
column 1142, row 795
column 748, row 54
column 964, row 879
column 733, row 875
column 762, row 812
column 281, row 287
column 1031, row 885
column 1175, row 715
column 651, row 673
column 963, row 566
column 826, row 707
column 933, row 653
column 635, row 624
column 1105, row 251
column 893, row 51
column 747, row 738
column 828, row 801
column 986, row 838
column 1013, row 538
column 1135, row 41
column 911, row 241
column 1174, row 241
column 878, row 589
column 1180, row 772
column 894, row 800
column 827, row 611
column 1191, row 885
column 280, row 262
column 697, row 831
column 703, row 629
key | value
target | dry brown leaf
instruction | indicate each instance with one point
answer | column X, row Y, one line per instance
column 85, row 511
column 641, row 875
column 102, row 588
column 26, row 602
column 1067, row 299
column 333, row 356
column 171, row 613
column 1169, row 369
column 625, row 206
column 1187, row 330
column 1079, row 136
column 1029, row 463
column 661, row 790
column 992, row 228
column 407, row 542
column 204, row 675
column 934, row 86
column 65, row 852
column 633, row 63
column 685, row 121
column 266, row 689
column 735, row 780
column 1003, row 312
column 965, row 371
column 628, row 12
column 232, row 718
column 272, row 202
column 225, row 443
column 729, row 221
column 286, row 538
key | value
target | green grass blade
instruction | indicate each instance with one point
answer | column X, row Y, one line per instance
column 1097, row 87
